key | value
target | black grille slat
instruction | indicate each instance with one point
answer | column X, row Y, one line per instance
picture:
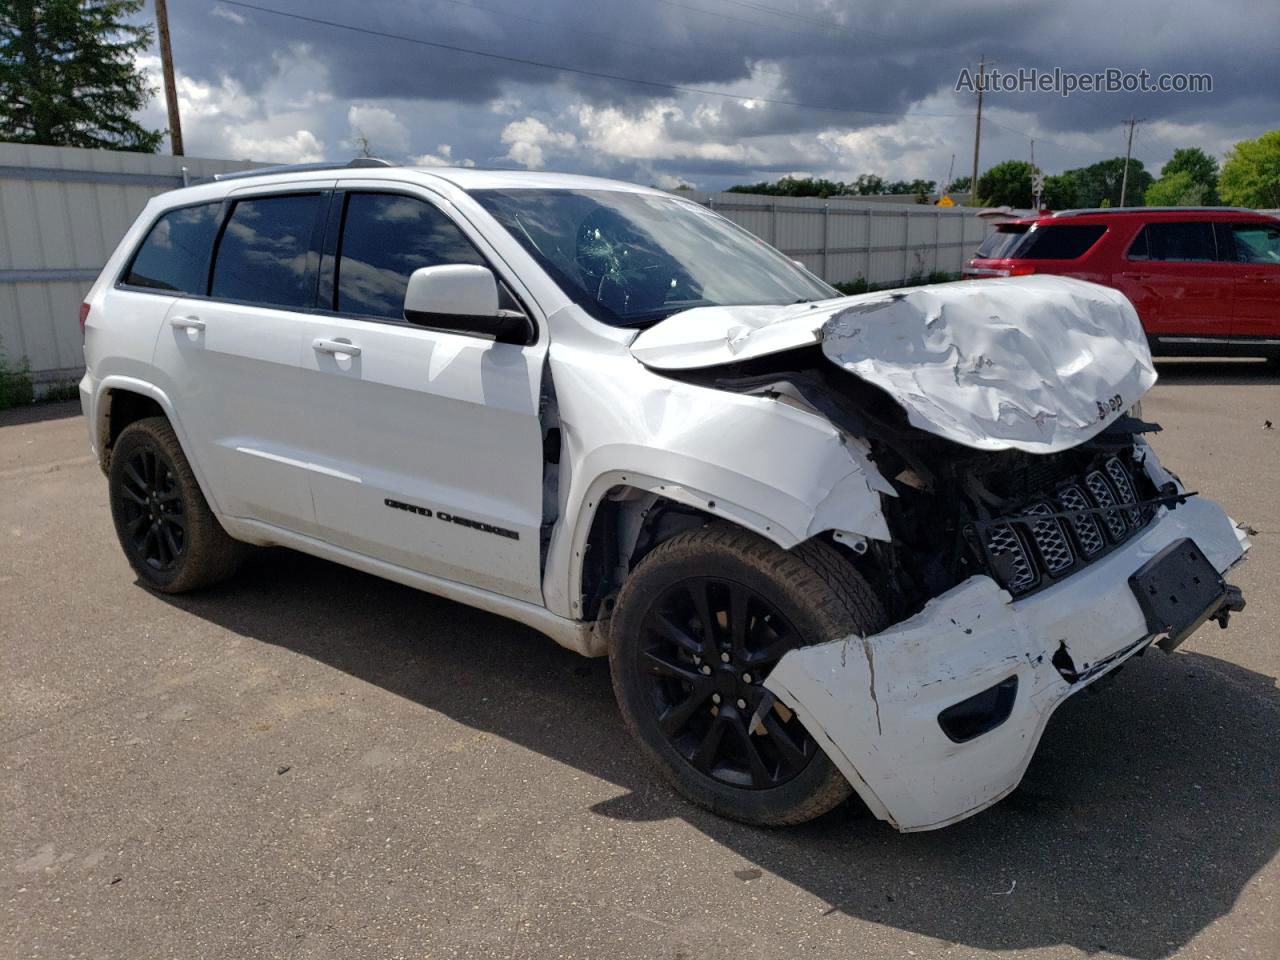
column 1088, row 534
column 1051, row 539
column 1103, row 496
column 1009, row 556
column 1124, row 490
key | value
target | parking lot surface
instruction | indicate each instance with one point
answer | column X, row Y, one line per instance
column 310, row 762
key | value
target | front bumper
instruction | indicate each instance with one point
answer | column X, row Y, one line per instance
column 873, row 703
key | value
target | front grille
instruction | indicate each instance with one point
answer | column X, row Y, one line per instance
column 1055, row 535
column 1088, row 534
column 1051, row 539
column 1010, row 558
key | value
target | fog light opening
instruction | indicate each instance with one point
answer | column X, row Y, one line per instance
column 981, row 713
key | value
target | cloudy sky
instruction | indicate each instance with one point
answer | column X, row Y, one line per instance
column 823, row 87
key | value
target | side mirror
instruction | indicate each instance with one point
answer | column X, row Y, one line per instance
column 461, row 298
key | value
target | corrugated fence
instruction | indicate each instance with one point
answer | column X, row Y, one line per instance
column 842, row 239
column 63, row 210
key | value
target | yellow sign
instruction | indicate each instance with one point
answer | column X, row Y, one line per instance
column 946, row 201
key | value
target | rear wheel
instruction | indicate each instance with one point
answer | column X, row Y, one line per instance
column 697, row 628
column 170, row 536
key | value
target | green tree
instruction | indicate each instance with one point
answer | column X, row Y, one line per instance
column 1060, row 191
column 1006, row 184
column 794, row 187
column 1251, row 175
column 67, row 74
column 960, row 184
column 1201, row 167
column 1177, row 189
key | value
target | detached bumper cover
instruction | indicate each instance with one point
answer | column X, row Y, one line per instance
column 873, row 703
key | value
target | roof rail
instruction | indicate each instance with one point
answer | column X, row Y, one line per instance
column 1088, row 211
column 303, row 168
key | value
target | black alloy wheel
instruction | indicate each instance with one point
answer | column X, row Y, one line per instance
column 708, row 644
column 152, row 513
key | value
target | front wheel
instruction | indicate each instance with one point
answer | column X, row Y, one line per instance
column 697, row 628
column 172, row 539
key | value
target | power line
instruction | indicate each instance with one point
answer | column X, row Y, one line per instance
column 599, row 75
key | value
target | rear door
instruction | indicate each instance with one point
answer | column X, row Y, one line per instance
column 1182, row 291
column 1254, row 251
column 426, row 445
column 233, row 355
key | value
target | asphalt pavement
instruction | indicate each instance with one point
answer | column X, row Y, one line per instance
column 311, row 762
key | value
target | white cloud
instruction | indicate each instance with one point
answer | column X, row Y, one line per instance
column 443, row 157
column 527, row 138
column 651, row 134
column 505, row 106
column 382, row 128
column 668, row 182
column 300, row 146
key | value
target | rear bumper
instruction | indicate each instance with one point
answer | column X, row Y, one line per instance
column 873, row 703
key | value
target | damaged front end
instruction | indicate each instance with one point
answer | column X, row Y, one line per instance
column 1035, row 542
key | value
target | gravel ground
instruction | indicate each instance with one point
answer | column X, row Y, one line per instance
column 310, row 762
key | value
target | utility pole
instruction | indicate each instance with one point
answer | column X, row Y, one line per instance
column 170, row 85
column 1037, row 181
column 977, row 129
column 1128, row 150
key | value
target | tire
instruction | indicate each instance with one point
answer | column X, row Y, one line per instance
column 166, row 529
column 668, row 669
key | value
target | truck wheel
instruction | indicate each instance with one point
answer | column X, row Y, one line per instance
column 171, row 537
column 696, row 629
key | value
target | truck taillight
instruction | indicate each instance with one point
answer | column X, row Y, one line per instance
column 84, row 315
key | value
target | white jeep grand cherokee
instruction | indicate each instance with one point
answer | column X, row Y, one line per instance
column 829, row 544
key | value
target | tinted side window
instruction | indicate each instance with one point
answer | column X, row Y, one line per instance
column 384, row 239
column 265, row 252
column 1175, row 241
column 1060, row 242
column 175, row 254
column 1256, row 242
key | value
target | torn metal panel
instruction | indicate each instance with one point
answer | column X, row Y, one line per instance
column 874, row 703
column 1035, row 363
column 780, row 470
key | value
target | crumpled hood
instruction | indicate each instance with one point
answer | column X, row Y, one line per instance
column 1037, row 363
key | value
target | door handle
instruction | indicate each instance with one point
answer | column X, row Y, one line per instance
column 335, row 347
column 187, row 323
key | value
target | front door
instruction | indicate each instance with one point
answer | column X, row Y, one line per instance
column 1175, row 280
column 1256, row 254
column 426, row 446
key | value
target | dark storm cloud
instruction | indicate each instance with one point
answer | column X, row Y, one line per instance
column 867, row 58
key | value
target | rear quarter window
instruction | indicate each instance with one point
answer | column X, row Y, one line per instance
column 174, row 256
column 1060, row 242
column 1001, row 243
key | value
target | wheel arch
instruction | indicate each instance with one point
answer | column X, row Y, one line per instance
column 624, row 516
column 120, row 401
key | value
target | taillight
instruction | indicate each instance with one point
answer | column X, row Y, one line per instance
column 84, row 315
column 1021, row 270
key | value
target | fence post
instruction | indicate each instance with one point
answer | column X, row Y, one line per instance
column 867, row 274
column 826, row 241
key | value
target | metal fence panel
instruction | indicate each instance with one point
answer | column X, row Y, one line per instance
column 62, row 212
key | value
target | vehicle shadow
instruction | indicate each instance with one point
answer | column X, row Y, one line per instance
column 1145, row 813
column 1215, row 372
